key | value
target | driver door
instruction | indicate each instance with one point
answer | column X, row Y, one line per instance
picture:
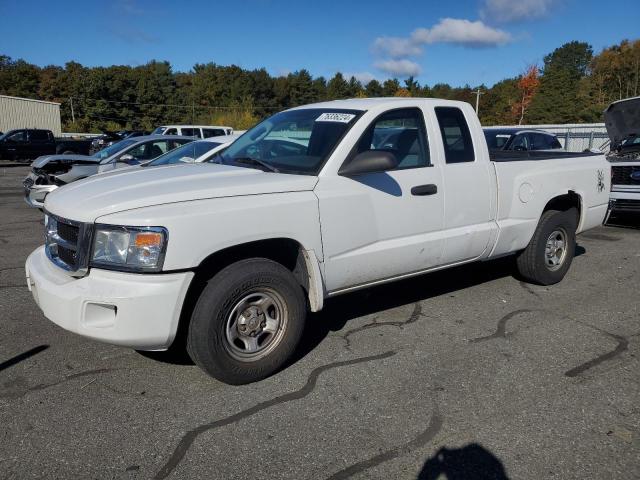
column 377, row 226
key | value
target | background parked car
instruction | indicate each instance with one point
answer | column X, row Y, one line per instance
column 30, row 143
column 109, row 138
column 195, row 152
column 520, row 139
column 53, row 171
column 200, row 131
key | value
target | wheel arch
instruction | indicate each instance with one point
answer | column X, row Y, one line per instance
column 290, row 253
column 564, row 202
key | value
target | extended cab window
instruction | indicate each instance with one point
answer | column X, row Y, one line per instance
column 39, row 135
column 400, row 132
column 456, row 137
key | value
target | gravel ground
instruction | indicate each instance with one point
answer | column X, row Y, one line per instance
column 462, row 374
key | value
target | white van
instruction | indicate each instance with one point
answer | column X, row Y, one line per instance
column 200, row 131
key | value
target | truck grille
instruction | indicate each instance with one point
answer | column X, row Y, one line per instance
column 622, row 175
column 622, row 205
column 67, row 243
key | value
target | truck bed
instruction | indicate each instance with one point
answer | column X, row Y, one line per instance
column 519, row 156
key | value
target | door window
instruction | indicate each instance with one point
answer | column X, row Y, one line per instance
column 20, row 136
column 540, row 141
column 456, row 137
column 213, row 132
column 149, row 150
column 400, row 132
column 191, row 132
column 520, row 142
column 171, row 131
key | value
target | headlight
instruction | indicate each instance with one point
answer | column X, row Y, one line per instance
column 129, row 248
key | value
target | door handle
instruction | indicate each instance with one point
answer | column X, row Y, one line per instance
column 422, row 190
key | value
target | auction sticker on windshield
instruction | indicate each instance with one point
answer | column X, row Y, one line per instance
column 336, row 117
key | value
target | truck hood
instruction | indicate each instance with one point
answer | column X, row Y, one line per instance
column 622, row 120
column 116, row 191
column 40, row 162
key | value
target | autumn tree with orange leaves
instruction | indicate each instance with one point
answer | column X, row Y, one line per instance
column 527, row 87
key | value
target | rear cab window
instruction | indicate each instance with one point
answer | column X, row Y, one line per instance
column 456, row 137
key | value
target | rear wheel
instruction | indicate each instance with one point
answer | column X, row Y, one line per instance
column 247, row 322
column 550, row 252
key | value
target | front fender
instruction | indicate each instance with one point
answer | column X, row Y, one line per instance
column 201, row 227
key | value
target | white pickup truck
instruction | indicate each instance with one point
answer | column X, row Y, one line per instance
column 312, row 202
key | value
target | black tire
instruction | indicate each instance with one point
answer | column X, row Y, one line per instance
column 533, row 263
column 208, row 342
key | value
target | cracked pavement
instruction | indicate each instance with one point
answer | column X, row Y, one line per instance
column 465, row 373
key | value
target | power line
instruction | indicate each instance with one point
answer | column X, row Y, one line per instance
column 192, row 106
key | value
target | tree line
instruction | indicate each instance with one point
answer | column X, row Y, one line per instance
column 571, row 86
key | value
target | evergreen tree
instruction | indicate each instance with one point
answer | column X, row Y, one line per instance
column 557, row 100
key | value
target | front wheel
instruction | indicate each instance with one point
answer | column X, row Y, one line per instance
column 548, row 256
column 247, row 322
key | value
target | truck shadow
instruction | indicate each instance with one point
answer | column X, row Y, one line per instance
column 471, row 462
column 338, row 311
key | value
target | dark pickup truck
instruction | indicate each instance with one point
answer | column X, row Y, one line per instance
column 30, row 143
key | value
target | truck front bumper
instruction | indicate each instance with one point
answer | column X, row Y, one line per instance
column 140, row 311
column 625, row 201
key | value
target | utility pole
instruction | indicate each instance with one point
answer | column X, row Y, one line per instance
column 73, row 116
column 478, row 93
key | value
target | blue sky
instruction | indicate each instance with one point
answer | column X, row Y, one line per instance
column 458, row 42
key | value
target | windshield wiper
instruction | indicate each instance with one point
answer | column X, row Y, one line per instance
column 255, row 161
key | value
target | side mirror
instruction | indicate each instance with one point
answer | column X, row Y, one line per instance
column 129, row 159
column 371, row 161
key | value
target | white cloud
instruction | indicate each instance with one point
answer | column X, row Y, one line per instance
column 395, row 47
column 461, row 32
column 454, row 31
column 400, row 68
column 505, row 11
column 362, row 77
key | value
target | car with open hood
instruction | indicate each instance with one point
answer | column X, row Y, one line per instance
column 50, row 172
column 622, row 119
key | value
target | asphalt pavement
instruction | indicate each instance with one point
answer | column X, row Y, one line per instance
column 467, row 373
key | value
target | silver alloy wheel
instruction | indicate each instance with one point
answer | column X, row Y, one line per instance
column 255, row 325
column 556, row 249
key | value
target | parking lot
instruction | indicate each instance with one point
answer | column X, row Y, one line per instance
column 462, row 374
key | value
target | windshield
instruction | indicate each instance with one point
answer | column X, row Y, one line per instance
column 632, row 141
column 295, row 141
column 159, row 131
column 113, row 149
column 187, row 153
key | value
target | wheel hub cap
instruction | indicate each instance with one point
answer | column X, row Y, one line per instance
column 252, row 321
column 255, row 325
column 556, row 249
